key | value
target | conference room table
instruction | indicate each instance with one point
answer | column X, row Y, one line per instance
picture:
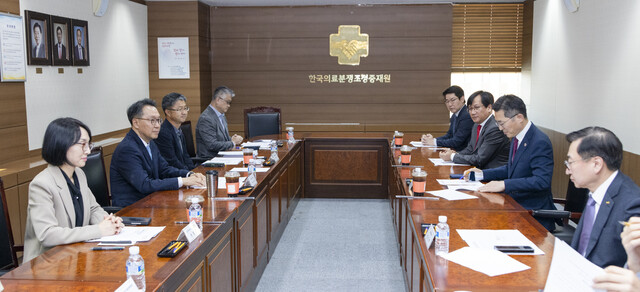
column 231, row 255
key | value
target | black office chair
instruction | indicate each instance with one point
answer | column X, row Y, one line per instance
column 96, row 174
column 188, row 139
column 574, row 204
column 262, row 120
column 8, row 258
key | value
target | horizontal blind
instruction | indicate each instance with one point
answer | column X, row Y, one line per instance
column 487, row 37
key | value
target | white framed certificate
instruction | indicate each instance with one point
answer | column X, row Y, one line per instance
column 12, row 52
column 173, row 58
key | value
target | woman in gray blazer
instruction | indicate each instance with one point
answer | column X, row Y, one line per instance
column 62, row 209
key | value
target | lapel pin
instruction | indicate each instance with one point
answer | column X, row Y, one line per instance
column 525, row 144
column 607, row 202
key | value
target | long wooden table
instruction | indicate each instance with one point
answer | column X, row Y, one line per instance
column 232, row 256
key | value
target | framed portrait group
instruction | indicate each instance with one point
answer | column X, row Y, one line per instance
column 55, row 40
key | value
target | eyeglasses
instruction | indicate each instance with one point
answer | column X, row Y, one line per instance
column 568, row 163
column 180, row 109
column 227, row 101
column 475, row 108
column 501, row 124
column 152, row 121
column 86, row 145
column 452, row 100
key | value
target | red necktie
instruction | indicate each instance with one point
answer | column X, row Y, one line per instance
column 478, row 134
column 515, row 148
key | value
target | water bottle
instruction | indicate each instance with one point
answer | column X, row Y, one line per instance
column 274, row 151
column 290, row 135
column 195, row 213
column 252, row 180
column 135, row 268
column 442, row 236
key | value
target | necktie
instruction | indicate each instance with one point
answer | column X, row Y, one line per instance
column 587, row 224
column 80, row 56
column 59, row 51
column 181, row 138
column 515, row 148
column 478, row 134
column 149, row 150
column 453, row 123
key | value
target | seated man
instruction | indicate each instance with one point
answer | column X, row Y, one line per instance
column 212, row 133
column 457, row 137
column 137, row 168
column 171, row 140
column 620, row 279
column 527, row 175
column 593, row 162
column 488, row 147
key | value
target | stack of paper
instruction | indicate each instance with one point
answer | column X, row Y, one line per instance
column 441, row 162
column 244, row 169
column 569, row 270
column 262, row 145
column 489, row 262
column 420, row 145
column 451, row 195
column 230, row 153
column 227, row 160
column 133, row 234
column 487, row 239
column 460, row 184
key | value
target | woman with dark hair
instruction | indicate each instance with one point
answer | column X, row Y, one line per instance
column 62, row 209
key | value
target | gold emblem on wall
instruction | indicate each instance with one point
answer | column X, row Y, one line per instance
column 349, row 45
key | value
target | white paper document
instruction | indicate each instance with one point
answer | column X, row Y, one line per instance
column 227, row 160
column 452, row 195
column 133, row 234
column 420, row 145
column 460, row 184
column 262, row 145
column 244, row 169
column 441, row 162
column 489, row 262
column 487, row 239
column 230, row 153
column 222, row 182
column 569, row 270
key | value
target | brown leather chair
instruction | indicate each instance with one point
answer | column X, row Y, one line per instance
column 8, row 258
column 263, row 120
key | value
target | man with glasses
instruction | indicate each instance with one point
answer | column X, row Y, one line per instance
column 460, row 124
column 137, row 168
column 212, row 131
column 488, row 147
column 171, row 140
column 527, row 175
column 593, row 162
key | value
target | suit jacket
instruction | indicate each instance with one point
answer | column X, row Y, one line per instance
column 170, row 146
column 55, row 52
column 76, row 52
column 40, row 52
column 134, row 174
column 492, row 149
column 51, row 218
column 621, row 201
column 527, row 177
column 459, row 133
column 211, row 136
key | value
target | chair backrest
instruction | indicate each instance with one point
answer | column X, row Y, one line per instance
column 576, row 198
column 8, row 259
column 188, row 138
column 96, row 174
column 262, row 120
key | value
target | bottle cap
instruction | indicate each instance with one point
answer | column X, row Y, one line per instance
column 442, row 219
column 134, row 250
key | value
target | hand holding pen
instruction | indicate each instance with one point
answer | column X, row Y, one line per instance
column 631, row 241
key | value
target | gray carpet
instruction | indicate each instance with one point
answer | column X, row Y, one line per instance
column 336, row 245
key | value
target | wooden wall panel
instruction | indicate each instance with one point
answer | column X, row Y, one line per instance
column 172, row 19
column 13, row 112
column 15, row 147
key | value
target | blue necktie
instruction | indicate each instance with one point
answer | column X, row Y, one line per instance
column 587, row 224
column 149, row 150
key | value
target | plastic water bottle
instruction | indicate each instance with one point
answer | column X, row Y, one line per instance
column 290, row 137
column 135, row 268
column 274, row 151
column 442, row 236
column 195, row 213
column 252, row 180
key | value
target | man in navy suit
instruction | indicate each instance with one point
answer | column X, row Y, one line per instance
column 527, row 175
column 171, row 140
column 137, row 168
column 593, row 162
column 459, row 133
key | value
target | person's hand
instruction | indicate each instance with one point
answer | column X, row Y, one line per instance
column 466, row 173
column 236, row 139
column 194, row 180
column 617, row 279
column 200, row 175
column 631, row 242
column 108, row 226
column 428, row 140
column 446, row 155
column 496, row 186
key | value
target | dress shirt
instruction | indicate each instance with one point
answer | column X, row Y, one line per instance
column 223, row 120
column 522, row 133
column 146, row 145
column 598, row 194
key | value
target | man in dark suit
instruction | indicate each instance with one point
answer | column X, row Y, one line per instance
column 137, row 168
column 212, row 131
column 527, row 175
column 460, row 123
column 171, row 140
column 38, row 50
column 60, row 51
column 488, row 147
column 79, row 51
column 593, row 162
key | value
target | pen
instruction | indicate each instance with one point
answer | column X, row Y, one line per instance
column 178, row 247
column 172, row 245
column 108, row 248
column 117, row 242
column 624, row 223
column 203, row 222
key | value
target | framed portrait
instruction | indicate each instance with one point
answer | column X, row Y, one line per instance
column 60, row 41
column 38, row 36
column 80, row 41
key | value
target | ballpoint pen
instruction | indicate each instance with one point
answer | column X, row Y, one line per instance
column 107, row 248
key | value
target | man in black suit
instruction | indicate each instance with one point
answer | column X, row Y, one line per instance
column 171, row 140
column 593, row 162
column 460, row 125
column 488, row 147
column 38, row 50
column 137, row 168
column 60, row 51
column 79, row 51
